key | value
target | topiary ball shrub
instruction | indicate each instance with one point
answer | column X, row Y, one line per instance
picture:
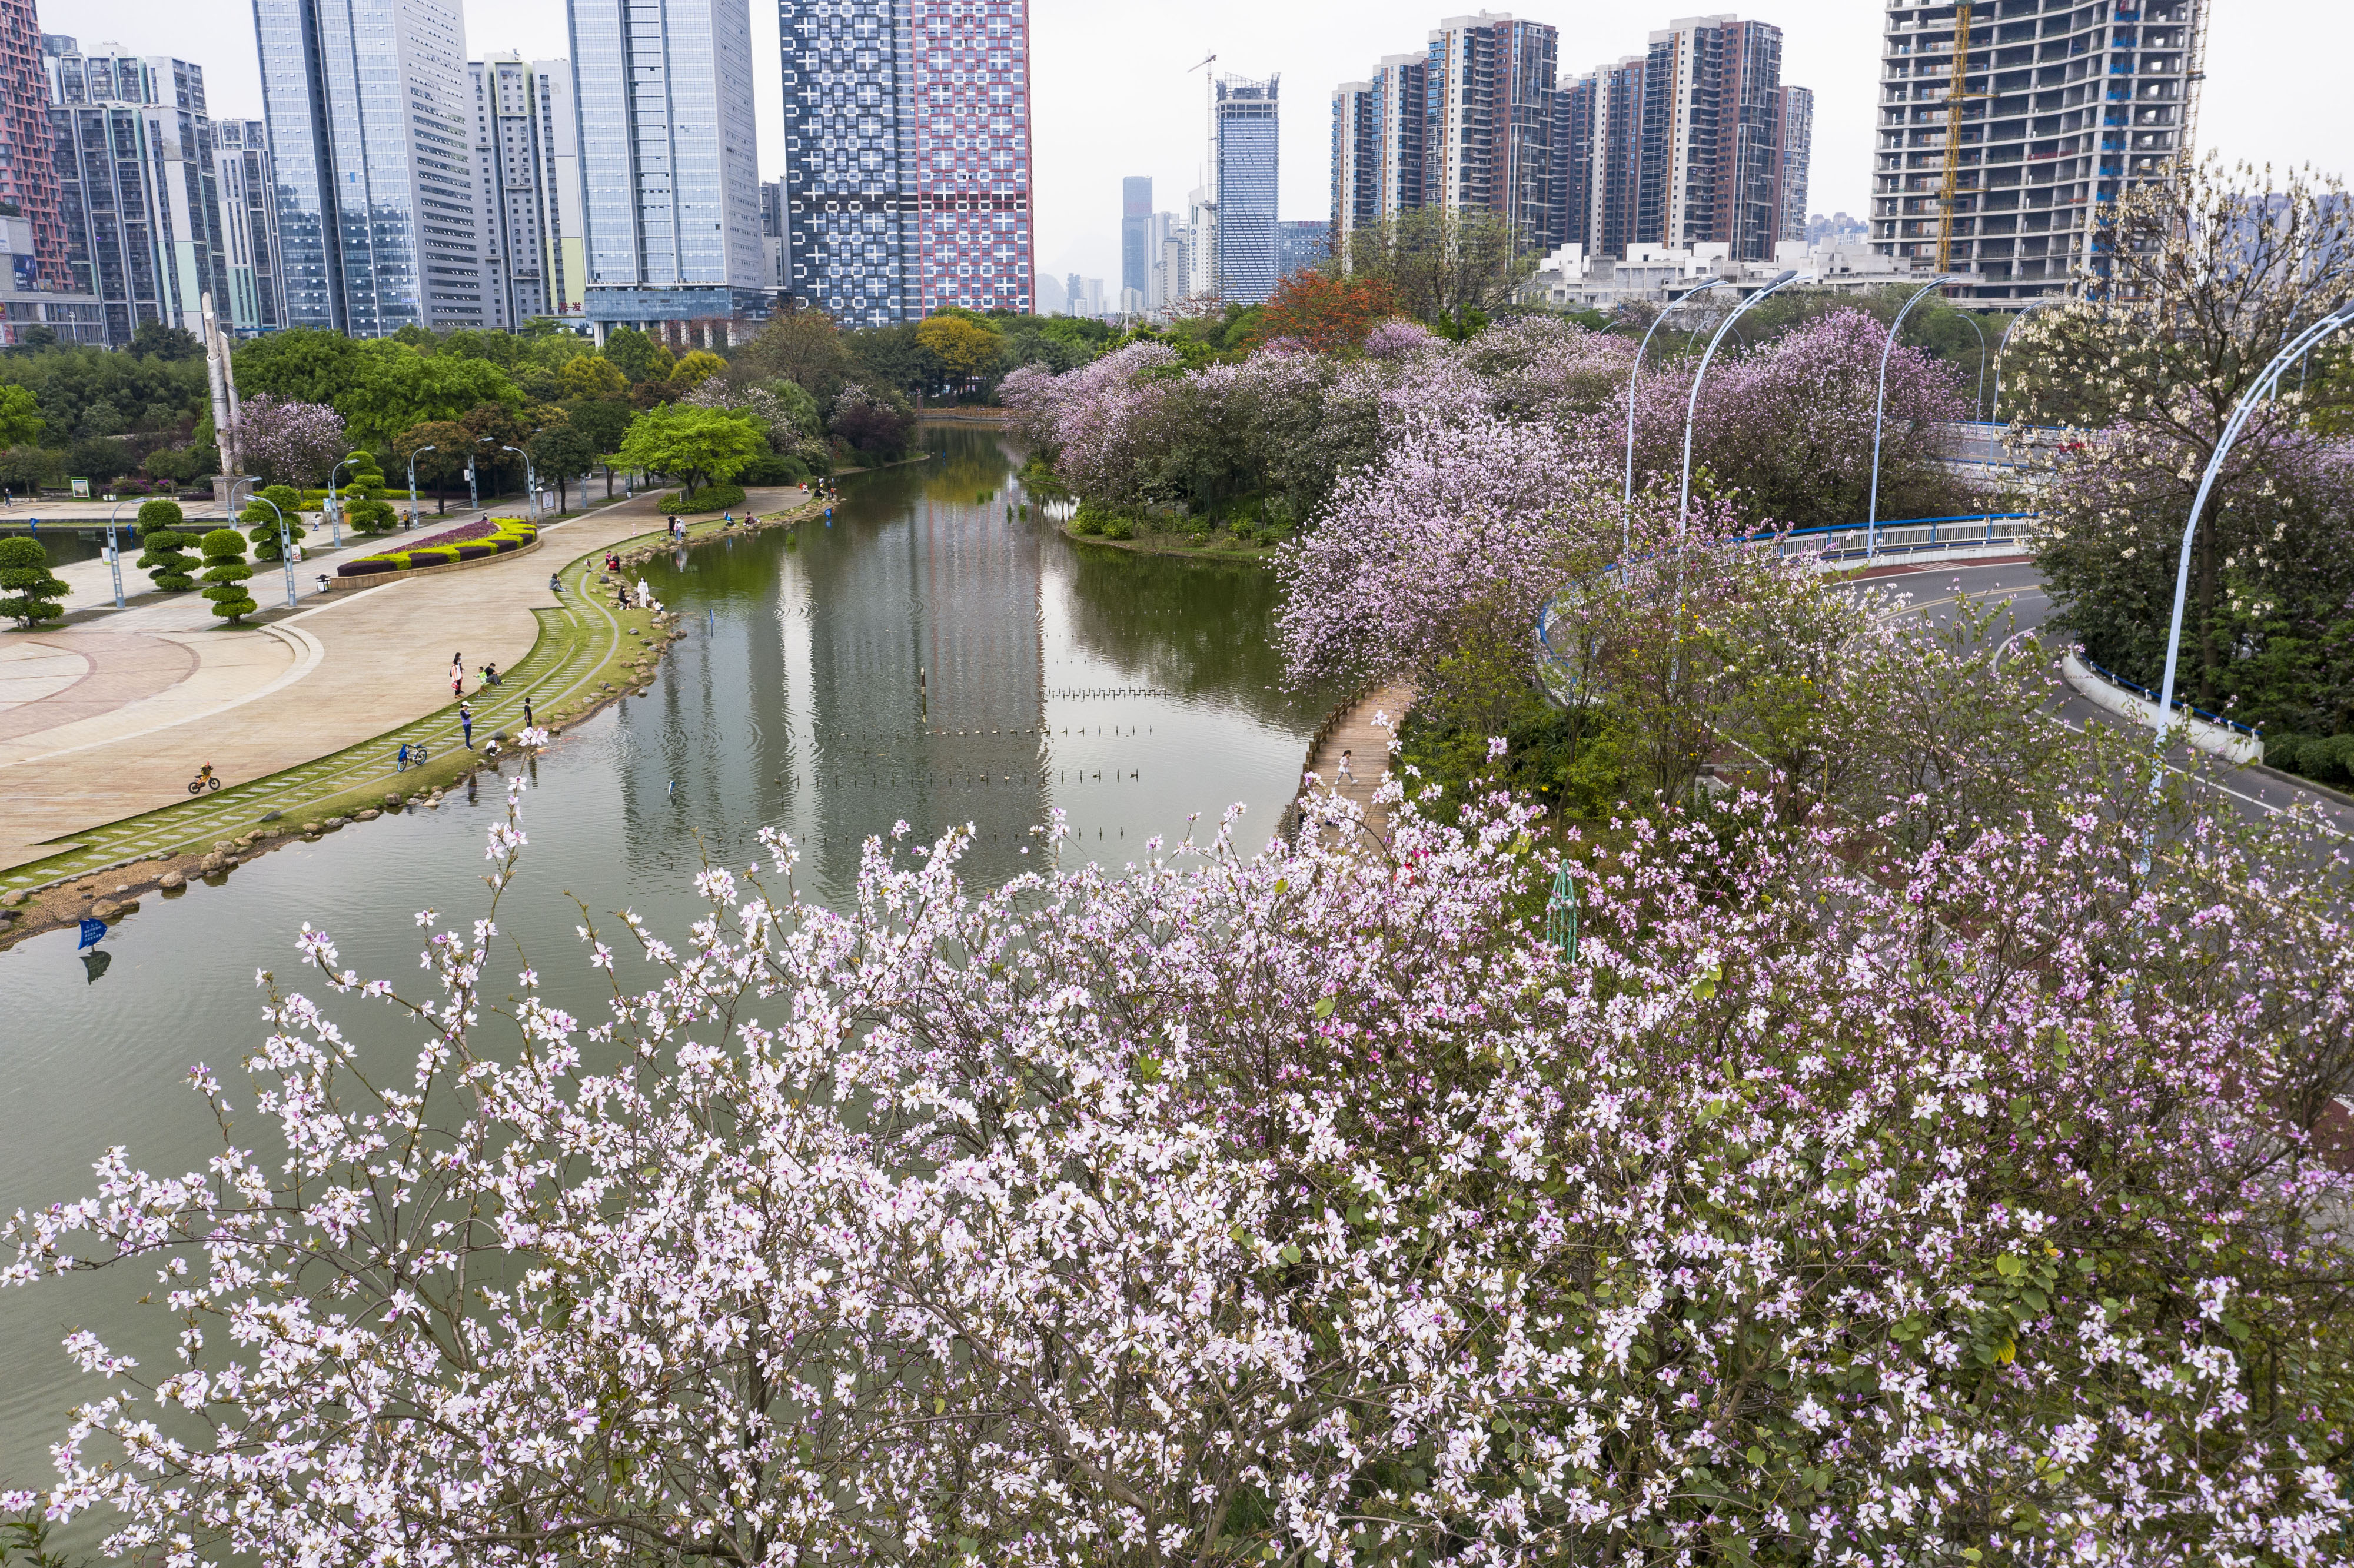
column 30, row 591
column 374, row 517
column 165, row 559
column 225, row 568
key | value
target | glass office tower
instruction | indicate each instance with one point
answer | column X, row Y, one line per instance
column 1245, row 126
column 369, row 107
column 668, row 147
column 907, row 156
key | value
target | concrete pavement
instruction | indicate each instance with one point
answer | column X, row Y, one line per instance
column 109, row 718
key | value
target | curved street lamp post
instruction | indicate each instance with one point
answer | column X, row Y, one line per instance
column 285, row 539
column 2004, row 341
column 335, row 506
column 1634, row 373
column 1880, row 414
column 530, row 477
column 1692, row 411
column 2302, row 344
column 412, row 481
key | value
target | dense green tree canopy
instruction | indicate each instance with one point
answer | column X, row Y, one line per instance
column 692, row 444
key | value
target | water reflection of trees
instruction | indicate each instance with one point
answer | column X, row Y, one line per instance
column 1199, row 628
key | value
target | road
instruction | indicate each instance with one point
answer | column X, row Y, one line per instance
column 1936, row 589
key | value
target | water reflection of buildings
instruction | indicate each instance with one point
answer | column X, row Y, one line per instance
column 893, row 669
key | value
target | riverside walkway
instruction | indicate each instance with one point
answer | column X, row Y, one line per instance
column 1352, row 729
column 102, row 723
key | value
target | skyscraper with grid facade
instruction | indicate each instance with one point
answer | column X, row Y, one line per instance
column 907, row 156
column 1244, row 131
column 137, row 185
column 28, row 170
column 2066, row 106
column 369, row 113
column 663, row 89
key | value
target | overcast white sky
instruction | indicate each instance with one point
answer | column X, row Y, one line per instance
column 1113, row 97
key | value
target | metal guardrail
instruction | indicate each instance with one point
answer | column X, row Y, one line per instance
column 2113, row 678
column 1898, row 537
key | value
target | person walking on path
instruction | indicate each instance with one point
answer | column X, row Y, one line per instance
column 466, row 724
column 1344, row 776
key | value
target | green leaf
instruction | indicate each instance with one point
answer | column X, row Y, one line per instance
column 1323, row 1008
column 1291, row 1253
column 1757, row 1454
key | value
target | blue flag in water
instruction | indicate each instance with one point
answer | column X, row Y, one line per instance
column 92, row 930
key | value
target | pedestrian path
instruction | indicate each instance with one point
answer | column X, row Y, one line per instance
column 1355, row 730
column 379, row 678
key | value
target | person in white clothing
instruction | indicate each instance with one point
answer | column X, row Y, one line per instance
column 1345, row 776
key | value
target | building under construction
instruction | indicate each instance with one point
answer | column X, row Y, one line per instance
column 2007, row 127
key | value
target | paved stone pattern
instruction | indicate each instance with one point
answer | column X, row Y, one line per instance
column 1369, row 747
column 117, row 669
column 383, row 680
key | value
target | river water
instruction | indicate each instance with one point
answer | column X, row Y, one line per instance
column 927, row 658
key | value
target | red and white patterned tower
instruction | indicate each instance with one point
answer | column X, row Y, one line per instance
column 970, row 70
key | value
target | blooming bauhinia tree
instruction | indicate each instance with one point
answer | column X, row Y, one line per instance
column 290, row 443
column 1837, row 1204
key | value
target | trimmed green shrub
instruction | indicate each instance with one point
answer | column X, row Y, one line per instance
column 373, row 516
column 30, row 591
column 225, row 568
column 1119, row 528
column 165, row 559
column 721, row 495
column 771, row 470
column 261, row 522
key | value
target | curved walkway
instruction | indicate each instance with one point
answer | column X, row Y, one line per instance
column 325, row 726
column 1352, row 729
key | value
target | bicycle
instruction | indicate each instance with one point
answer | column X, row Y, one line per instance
column 411, row 756
column 203, row 781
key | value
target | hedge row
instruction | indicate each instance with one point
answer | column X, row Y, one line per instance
column 511, row 535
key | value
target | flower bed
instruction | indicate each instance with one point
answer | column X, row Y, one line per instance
column 472, row 542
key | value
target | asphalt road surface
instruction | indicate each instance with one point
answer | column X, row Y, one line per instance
column 1934, row 589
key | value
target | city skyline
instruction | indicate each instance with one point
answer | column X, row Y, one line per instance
column 1115, row 100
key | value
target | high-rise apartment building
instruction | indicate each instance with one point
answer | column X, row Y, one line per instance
column 370, row 116
column 1136, row 233
column 1377, row 145
column 249, row 204
column 1488, row 123
column 1244, row 130
column 1712, row 136
column 136, row 185
column 521, row 109
column 28, row 165
column 1690, row 142
column 672, row 207
column 1797, row 115
column 2064, row 107
column 908, row 156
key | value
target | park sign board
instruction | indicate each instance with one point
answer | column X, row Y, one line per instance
column 82, row 490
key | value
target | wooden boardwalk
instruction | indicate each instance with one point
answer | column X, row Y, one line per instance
column 1352, row 729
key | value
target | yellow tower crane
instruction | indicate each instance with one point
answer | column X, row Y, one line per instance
column 1949, row 189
